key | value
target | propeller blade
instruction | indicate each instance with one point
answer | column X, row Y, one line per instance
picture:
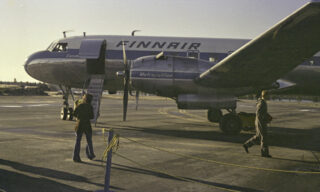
column 125, row 101
column 124, row 55
column 126, row 83
column 137, row 99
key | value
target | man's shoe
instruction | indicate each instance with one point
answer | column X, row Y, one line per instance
column 91, row 157
column 266, row 155
column 77, row 160
column 245, row 148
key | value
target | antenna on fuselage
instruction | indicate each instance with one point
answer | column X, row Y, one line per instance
column 84, row 34
column 132, row 33
column 65, row 33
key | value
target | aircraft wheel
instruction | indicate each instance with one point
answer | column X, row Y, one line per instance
column 63, row 113
column 230, row 124
column 70, row 114
column 214, row 115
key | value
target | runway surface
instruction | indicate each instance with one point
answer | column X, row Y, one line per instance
column 36, row 149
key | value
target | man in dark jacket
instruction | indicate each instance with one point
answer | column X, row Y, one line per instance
column 262, row 118
column 84, row 113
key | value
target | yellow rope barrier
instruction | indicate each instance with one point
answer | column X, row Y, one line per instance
column 174, row 176
column 224, row 163
column 113, row 145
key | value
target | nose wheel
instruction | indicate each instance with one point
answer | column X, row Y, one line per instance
column 66, row 112
column 63, row 113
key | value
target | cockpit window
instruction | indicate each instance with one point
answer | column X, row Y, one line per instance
column 60, row 47
column 52, row 45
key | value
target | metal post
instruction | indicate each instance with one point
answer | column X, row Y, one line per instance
column 108, row 166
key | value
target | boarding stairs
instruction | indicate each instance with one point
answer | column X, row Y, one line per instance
column 95, row 89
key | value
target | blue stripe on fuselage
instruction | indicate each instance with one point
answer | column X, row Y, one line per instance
column 134, row 54
column 117, row 54
column 163, row 75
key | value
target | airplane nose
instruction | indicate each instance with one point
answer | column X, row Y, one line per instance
column 32, row 57
column 26, row 65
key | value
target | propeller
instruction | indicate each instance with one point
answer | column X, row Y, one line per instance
column 126, row 83
column 137, row 99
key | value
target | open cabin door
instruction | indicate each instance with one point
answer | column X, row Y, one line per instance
column 94, row 51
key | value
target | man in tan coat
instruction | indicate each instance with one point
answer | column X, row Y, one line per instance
column 262, row 118
column 84, row 113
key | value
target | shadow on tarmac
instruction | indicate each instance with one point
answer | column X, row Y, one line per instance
column 13, row 181
column 278, row 136
column 149, row 172
column 9, row 179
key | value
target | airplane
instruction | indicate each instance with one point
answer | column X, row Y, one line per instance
column 198, row 73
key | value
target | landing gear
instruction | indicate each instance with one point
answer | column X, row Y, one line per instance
column 63, row 113
column 230, row 123
column 70, row 114
column 214, row 115
column 66, row 112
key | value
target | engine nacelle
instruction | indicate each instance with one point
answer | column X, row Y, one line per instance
column 196, row 101
column 167, row 75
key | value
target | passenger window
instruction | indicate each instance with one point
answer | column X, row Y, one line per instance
column 212, row 59
column 311, row 62
column 193, row 53
column 60, row 47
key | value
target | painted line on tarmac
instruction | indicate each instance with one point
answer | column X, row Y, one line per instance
column 193, row 115
column 26, row 105
column 166, row 111
column 38, row 137
column 11, row 106
column 307, row 110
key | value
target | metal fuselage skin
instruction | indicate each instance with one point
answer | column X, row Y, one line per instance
column 65, row 67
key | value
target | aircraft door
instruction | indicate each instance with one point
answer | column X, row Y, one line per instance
column 94, row 51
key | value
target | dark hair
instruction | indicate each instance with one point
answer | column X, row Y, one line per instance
column 258, row 94
column 88, row 98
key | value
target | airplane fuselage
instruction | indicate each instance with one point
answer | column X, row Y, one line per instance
column 61, row 64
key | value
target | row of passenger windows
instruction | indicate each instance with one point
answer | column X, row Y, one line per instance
column 61, row 47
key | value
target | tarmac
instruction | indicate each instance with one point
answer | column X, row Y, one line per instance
column 161, row 149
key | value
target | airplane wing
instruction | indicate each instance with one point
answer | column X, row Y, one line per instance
column 268, row 57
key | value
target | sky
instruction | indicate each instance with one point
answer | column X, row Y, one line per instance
column 28, row 26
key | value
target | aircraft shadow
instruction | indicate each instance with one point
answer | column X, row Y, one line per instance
column 10, row 179
column 153, row 173
column 278, row 136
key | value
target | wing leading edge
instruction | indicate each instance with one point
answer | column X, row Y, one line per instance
column 275, row 52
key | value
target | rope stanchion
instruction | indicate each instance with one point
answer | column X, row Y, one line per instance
column 112, row 146
column 224, row 163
